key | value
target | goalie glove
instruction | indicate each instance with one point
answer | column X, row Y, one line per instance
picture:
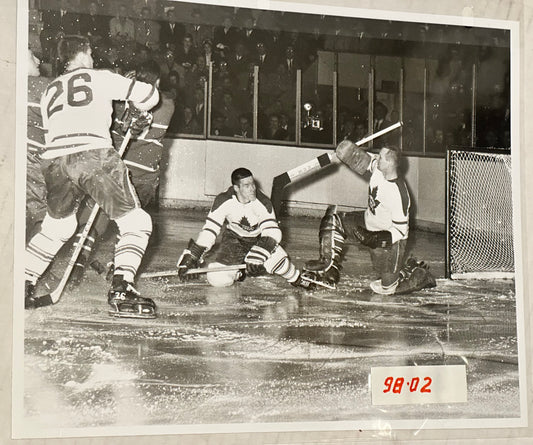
column 258, row 254
column 382, row 238
column 190, row 258
column 354, row 157
column 136, row 120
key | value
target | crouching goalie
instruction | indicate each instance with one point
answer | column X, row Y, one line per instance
column 383, row 226
column 251, row 235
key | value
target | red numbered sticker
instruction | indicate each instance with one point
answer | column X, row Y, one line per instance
column 418, row 384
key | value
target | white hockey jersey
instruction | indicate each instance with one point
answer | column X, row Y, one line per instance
column 77, row 106
column 250, row 220
column 388, row 205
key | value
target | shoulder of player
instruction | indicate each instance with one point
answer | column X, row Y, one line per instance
column 222, row 198
column 264, row 200
column 37, row 86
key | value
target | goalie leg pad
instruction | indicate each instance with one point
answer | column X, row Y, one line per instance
column 332, row 236
column 223, row 278
column 279, row 264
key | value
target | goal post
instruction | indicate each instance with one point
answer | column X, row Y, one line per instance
column 479, row 213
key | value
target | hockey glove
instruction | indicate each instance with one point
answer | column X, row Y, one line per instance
column 258, row 254
column 382, row 238
column 191, row 258
column 354, row 157
column 136, row 120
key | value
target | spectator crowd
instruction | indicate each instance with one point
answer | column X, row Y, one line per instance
column 185, row 47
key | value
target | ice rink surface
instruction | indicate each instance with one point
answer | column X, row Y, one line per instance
column 262, row 351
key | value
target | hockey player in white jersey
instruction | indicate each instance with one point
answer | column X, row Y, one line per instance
column 251, row 235
column 383, row 226
column 80, row 160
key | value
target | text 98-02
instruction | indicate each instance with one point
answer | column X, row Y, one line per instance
column 418, row 384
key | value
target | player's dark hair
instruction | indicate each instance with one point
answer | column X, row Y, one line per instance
column 239, row 174
column 69, row 47
column 148, row 72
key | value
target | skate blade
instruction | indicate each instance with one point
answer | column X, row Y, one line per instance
column 136, row 315
column 132, row 312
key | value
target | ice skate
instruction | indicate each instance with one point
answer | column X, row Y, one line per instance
column 126, row 301
column 305, row 281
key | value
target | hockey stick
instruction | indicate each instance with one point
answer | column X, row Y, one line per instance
column 174, row 272
column 54, row 296
column 325, row 159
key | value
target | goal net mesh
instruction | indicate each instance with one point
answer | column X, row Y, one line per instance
column 480, row 214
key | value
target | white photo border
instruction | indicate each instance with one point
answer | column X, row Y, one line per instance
column 18, row 426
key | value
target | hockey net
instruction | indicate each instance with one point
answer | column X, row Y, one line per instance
column 479, row 216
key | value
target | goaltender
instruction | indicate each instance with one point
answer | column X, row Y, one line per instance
column 383, row 226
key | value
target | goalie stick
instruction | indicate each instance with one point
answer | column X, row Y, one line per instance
column 174, row 272
column 325, row 159
column 54, row 296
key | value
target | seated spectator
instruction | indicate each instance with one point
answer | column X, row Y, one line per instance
column 141, row 55
column 186, row 54
column 121, row 28
column 207, row 53
column 436, row 144
column 55, row 25
column 189, row 124
column 167, row 65
column 274, row 131
column 287, row 124
column 245, row 130
column 198, row 74
column 218, row 125
column 347, row 131
column 171, row 31
column 147, row 30
column 360, row 131
column 228, row 109
column 93, row 25
column 198, row 106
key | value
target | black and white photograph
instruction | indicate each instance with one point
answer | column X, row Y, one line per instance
column 257, row 217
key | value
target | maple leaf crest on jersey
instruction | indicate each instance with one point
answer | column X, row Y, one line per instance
column 245, row 224
column 373, row 202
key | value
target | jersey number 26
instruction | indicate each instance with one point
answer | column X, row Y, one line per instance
column 78, row 95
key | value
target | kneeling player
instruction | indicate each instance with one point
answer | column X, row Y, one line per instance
column 251, row 235
column 384, row 225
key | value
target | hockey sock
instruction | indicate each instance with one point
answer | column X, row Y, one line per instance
column 44, row 246
column 279, row 263
column 87, row 248
column 135, row 228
